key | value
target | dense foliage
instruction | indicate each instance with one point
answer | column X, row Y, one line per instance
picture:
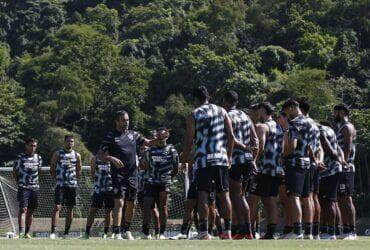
column 69, row 64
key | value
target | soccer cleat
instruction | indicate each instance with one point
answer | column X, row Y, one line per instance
column 225, row 235
column 104, row 236
column 308, row 237
column 128, row 236
column 118, row 237
column 293, row 236
column 53, row 236
column 156, row 237
column 249, row 236
column 257, row 235
column 180, row 236
column 162, row 237
column 238, row 236
column 147, row 237
column 350, row 236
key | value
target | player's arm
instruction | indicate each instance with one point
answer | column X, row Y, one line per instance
column 175, row 160
column 261, row 131
column 53, row 165
column 254, row 142
column 290, row 141
column 230, row 136
column 328, row 148
column 144, row 163
column 103, row 152
column 79, row 166
column 15, row 170
column 188, row 139
column 92, row 168
column 348, row 134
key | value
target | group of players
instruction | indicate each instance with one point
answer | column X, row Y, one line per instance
column 234, row 159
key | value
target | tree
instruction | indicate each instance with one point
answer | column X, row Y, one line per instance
column 275, row 57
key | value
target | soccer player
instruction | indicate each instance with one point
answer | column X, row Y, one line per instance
column 119, row 147
column 26, row 174
column 209, row 130
column 242, row 163
column 102, row 196
column 329, row 182
column 311, row 205
column 162, row 165
column 297, row 159
column 346, row 135
column 270, row 136
column 65, row 168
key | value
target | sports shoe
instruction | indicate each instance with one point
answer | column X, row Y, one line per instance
column 293, row 236
column 225, row 235
column 308, row 237
column 249, row 236
column 27, row 236
column 118, row 237
column 354, row 235
column 180, row 236
column 257, row 235
column 238, row 236
column 53, row 236
column 104, row 236
column 128, row 235
column 147, row 237
column 162, row 237
column 350, row 236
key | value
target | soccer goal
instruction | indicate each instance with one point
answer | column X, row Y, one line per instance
column 42, row 217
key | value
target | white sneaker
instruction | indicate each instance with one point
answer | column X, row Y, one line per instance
column 147, row 237
column 180, row 236
column 162, row 237
column 354, row 235
column 53, row 236
column 327, row 236
column 293, row 236
column 104, row 236
column 316, row 237
column 118, row 237
column 257, row 235
column 350, row 236
column 128, row 236
column 308, row 237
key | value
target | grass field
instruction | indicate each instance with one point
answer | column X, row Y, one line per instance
column 361, row 243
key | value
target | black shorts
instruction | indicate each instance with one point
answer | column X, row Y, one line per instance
column 101, row 199
column 27, row 198
column 140, row 197
column 66, row 196
column 193, row 193
column 213, row 178
column 297, row 181
column 346, row 183
column 124, row 188
column 315, row 180
column 240, row 172
column 329, row 187
column 266, row 186
column 153, row 190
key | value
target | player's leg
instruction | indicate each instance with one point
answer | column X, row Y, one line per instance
column 58, row 201
column 205, row 186
column 129, row 211
column 222, row 189
column 32, row 205
column 70, row 195
column 347, row 207
column 253, row 202
column 163, row 211
column 119, row 197
column 148, row 204
column 338, row 221
column 212, row 214
column 284, row 200
column 317, row 206
column 307, row 204
column 97, row 203
column 22, row 197
column 269, row 191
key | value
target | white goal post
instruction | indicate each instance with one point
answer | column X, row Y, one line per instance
column 42, row 221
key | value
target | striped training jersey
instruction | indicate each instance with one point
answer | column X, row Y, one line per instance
column 210, row 136
column 102, row 176
column 273, row 148
column 341, row 142
column 28, row 171
column 242, row 126
column 162, row 162
column 332, row 166
column 314, row 138
column 66, row 169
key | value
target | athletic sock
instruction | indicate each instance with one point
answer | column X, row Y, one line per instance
column 116, row 229
column 324, row 229
column 346, row 229
column 308, row 228
column 88, row 229
column 297, row 228
column 53, row 229
column 248, row 228
column 210, row 230
column 331, row 230
column 270, row 231
column 20, row 229
column 203, row 226
column 316, row 228
column 145, row 229
column 234, row 229
column 219, row 229
column 184, row 228
column 352, row 229
column 162, row 229
column 156, row 230
column 227, row 224
column 338, row 229
column 27, row 230
column 287, row 229
column 127, row 226
column 106, row 230
column 257, row 229
column 66, row 230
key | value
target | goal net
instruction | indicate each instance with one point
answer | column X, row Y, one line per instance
column 42, row 217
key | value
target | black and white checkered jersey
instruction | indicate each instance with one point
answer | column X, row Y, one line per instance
column 28, row 171
column 300, row 129
column 273, row 148
column 242, row 126
column 102, row 176
column 332, row 166
column 314, row 137
column 66, row 169
column 162, row 162
column 341, row 142
column 210, row 136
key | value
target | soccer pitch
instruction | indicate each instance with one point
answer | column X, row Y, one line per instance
column 361, row 243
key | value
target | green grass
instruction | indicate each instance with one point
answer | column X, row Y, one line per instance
column 361, row 243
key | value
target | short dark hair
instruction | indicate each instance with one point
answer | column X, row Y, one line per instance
column 119, row 113
column 254, row 106
column 67, row 136
column 304, row 105
column 290, row 103
column 231, row 97
column 342, row 107
column 268, row 107
column 161, row 128
column 201, row 93
column 30, row 140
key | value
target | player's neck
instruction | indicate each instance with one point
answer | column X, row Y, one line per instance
column 30, row 153
column 68, row 150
